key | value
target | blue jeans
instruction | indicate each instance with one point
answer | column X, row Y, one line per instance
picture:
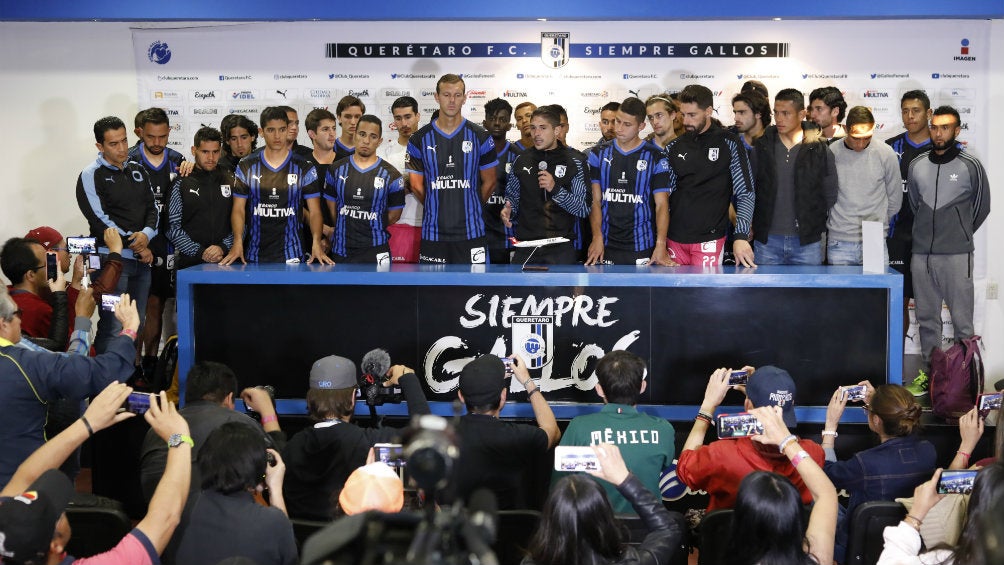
column 843, row 252
column 786, row 250
column 135, row 280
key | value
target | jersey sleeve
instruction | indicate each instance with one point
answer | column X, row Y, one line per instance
column 330, row 188
column 175, row 232
column 661, row 175
column 594, row 166
column 742, row 187
column 241, row 186
column 310, row 185
column 413, row 156
column 488, row 158
column 395, row 199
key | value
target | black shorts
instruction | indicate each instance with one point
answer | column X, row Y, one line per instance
column 379, row 255
column 467, row 252
column 625, row 257
column 162, row 284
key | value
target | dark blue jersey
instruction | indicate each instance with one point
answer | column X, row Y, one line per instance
column 628, row 183
column 341, row 150
column 362, row 199
column 498, row 234
column 161, row 180
column 451, row 167
column 274, row 198
column 901, row 224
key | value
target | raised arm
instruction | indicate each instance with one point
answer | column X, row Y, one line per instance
column 541, row 409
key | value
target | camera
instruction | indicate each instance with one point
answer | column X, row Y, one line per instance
column 271, row 396
column 732, row 426
column 430, row 451
column 957, row 482
column 374, row 366
column 853, row 393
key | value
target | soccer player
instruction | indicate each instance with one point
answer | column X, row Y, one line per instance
column 364, row 194
column 407, row 232
column 498, row 122
column 915, row 108
column 752, row 112
column 240, row 138
column 630, row 185
column 322, row 128
column 348, row 110
column 826, row 108
column 582, row 226
column 546, row 192
column 292, row 131
column 661, row 111
column 708, row 169
column 113, row 192
column 796, row 184
column 200, row 204
column 162, row 164
column 523, row 112
column 269, row 188
column 451, row 163
column 868, row 187
column 608, row 121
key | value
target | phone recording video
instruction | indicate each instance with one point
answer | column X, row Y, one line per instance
column 80, row 245
column 732, row 426
column 957, row 481
column 137, row 403
column 110, row 301
column 853, row 393
column 390, row 453
column 737, row 378
column 988, row 403
column 575, row 458
column 94, row 262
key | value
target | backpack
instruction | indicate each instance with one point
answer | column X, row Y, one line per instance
column 956, row 378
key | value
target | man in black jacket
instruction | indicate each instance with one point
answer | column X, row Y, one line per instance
column 796, row 184
column 547, row 191
column 200, row 205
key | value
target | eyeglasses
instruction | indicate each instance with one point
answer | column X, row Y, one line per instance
column 33, row 269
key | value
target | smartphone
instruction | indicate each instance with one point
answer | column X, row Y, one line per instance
column 81, row 245
column 390, row 453
column 137, row 403
column 507, row 361
column 853, row 393
column 94, row 262
column 956, row 482
column 110, row 301
column 51, row 265
column 737, row 378
column 731, row 426
column 987, row 403
column 575, row 458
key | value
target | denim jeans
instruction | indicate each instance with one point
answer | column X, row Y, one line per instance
column 135, row 280
column 786, row 250
column 843, row 252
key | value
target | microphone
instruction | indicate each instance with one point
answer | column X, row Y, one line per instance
column 542, row 165
column 375, row 365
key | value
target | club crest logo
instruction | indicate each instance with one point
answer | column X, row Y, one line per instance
column 225, row 190
column 641, row 165
column 291, row 179
column 713, row 154
column 467, row 146
column 377, row 183
column 554, row 48
column 533, row 338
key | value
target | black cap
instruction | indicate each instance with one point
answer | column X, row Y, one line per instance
column 482, row 380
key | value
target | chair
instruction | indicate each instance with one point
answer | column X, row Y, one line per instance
column 96, row 529
column 515, row 527
column 303, row 529
column 714, row 534
column 865, row 541
column 637, row 531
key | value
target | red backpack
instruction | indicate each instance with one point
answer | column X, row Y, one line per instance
column 956, row 378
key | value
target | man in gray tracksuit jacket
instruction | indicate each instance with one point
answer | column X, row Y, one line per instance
column 950, row 197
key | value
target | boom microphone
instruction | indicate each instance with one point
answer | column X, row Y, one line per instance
column 375, row 365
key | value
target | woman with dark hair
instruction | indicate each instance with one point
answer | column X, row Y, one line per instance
column 769, row 517
column 578, row 526
column 981, row 532
column 223, row 519
column 887, row 471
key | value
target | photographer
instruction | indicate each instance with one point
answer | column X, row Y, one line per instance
column 320, row 458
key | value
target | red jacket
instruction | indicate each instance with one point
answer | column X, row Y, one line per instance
column 719, row 467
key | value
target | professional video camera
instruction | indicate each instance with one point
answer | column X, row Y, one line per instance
column 374, row 367
column 453, row 535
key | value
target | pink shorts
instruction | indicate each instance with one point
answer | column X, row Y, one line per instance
column 704, row 254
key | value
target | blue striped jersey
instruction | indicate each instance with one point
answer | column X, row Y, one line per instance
column 362, row 199
column 274, row 197
column 451, row 168
column 627, row 183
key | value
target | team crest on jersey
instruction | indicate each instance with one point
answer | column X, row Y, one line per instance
column 377, row 183
column 225, row 190
column 291, row 179
column 533, row 338
column 467, row 146
column 554, row 48
column 713, row 154
column 559, row 171
column 642, row 164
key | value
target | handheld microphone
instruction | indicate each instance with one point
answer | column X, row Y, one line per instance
column 542, row 165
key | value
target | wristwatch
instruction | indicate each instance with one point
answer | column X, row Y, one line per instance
column 177, row 439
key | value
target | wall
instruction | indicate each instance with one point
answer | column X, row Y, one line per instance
column 59, row 77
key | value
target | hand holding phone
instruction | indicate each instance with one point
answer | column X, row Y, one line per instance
column 734, row 426
column 957, row 481
column 575, row 458
column 854, row 393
